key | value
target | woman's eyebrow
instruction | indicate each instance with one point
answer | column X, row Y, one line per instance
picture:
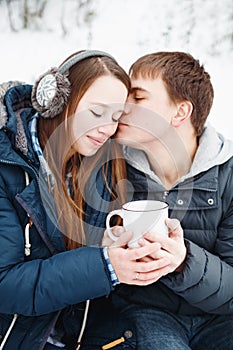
column 105, row 105
column 99, row 104
column 137, row 89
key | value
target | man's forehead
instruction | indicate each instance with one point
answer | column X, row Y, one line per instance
column 140, row 84
column 145, row 84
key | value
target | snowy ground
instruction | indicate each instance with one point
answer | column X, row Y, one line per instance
column 25, row 55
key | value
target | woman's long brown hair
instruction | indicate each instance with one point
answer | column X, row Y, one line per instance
column 55, row 141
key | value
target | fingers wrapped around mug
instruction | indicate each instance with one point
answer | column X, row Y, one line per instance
column 117, row 231
column 172, row 246
column 130, row 267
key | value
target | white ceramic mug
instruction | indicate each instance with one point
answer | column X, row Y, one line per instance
column 139, row 217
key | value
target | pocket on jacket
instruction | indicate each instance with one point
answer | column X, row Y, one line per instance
column 107, row 326
column 97, row 343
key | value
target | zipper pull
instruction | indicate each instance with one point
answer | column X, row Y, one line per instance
column 27, row 249
column 165, row 194
column 113, row 343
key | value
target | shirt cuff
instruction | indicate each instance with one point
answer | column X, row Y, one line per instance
column 111, row 270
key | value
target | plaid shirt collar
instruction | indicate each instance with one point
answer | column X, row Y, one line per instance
column 44, row 168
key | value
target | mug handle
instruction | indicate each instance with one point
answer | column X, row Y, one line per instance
column 112, row 213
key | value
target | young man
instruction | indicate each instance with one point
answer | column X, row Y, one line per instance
column 175, row 157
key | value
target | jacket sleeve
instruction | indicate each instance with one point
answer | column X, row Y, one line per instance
column 44, row 285
column 207, row 278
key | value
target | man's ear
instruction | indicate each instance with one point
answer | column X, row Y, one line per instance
column 184, row 111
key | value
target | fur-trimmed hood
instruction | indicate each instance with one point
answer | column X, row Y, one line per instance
column 15, row 100
column 4, row 87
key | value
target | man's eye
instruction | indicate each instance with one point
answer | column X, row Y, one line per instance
column 138, row 98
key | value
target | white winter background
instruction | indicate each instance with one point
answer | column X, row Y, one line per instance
column 125, row 28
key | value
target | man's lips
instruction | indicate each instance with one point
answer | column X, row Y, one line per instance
column 122, row 124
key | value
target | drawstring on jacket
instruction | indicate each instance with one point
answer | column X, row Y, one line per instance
column 83, row 324
column 8, row 331
column 27, row 227
column 27, row 253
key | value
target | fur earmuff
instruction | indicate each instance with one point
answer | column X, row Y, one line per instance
column 50, row 93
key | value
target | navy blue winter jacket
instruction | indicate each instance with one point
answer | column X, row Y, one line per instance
column 203, row 202
column 50, row 282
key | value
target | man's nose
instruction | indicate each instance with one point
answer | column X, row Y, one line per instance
column 127, row 110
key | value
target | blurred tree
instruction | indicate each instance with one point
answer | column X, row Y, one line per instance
column 85, row 15
column 227, row 34
column 196, row 25
column 25, row 14
column 190, row 21
column 78, row 13
column 30, row 14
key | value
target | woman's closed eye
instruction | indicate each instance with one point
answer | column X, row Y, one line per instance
column 100, row 113
column 97, row 113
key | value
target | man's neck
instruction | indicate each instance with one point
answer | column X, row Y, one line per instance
column 172, row 157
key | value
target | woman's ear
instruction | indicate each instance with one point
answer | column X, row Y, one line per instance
column 184, row 111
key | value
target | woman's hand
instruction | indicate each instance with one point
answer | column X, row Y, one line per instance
column 129, row 263
column 172, row 247
column 116, row 231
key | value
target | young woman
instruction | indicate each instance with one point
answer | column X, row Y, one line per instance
column 57, row 180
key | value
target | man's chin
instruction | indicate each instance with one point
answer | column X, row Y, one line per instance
column 118, row 138
column 125, row 141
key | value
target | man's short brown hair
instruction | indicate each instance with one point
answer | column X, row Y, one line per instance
column 184, row 78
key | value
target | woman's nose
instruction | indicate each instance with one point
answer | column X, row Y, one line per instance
column 108, row 129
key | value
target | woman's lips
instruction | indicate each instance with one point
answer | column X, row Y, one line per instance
column 96, row 141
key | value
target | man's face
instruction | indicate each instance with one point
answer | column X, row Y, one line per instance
column 152, row 94
column 149, row 113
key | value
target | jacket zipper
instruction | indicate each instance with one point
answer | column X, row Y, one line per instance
column 50, row 327
column 51, row 250
column 33, row 217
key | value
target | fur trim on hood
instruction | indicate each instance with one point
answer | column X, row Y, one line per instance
column 3, row 89
column 20, row 137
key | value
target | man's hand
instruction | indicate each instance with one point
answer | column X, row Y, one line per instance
column 172, row 247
